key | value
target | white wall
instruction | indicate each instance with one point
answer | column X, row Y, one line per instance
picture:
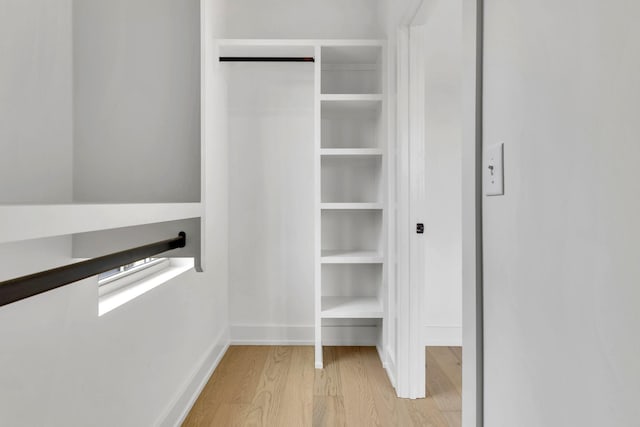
column 304, row 19
column 561, row 295
column 35, row 101
column 443, row 221
column 136, row 72
column 139, row 364
column 271, row 197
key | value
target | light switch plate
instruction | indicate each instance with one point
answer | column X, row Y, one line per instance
column 494, row 170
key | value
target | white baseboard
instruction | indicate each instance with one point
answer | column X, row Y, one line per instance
column 391, row 369
column 382, row 355
column 388, row 363
column 184, row 400
column 271, row 335
column 363, row 335
column 444, row 336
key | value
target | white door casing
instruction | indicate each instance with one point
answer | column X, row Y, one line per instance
column 408, row 130
column 411, row 206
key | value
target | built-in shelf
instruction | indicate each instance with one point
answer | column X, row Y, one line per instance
column 262, row 48
column 351, row 307
column 350, row 152
column 351, row 97
column 351, row 206
column 23, row 222
column 351, row 257
column 350, row 210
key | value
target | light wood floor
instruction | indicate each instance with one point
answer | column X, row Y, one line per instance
column 279, row 386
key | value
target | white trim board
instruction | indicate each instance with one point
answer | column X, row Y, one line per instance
column 417, row 210
column 472, row 309
column 365, row 335
column 442, row 336
column 391, row 369
column 179, row 407
column 302, row 42
column 411, row 210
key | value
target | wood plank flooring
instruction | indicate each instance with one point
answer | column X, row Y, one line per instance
column 279, row 386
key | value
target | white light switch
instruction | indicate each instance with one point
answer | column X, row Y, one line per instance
column 493, row 170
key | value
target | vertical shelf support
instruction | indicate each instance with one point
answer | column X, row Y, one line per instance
column 318, row 204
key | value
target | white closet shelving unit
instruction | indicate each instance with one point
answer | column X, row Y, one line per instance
column 351, row 197
column 350, row 175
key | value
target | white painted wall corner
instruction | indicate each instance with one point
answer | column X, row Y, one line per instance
column 183, row 401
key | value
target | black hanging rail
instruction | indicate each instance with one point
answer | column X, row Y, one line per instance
column 27, row 286
column 267, row 59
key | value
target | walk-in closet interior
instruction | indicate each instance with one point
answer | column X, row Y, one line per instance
column 262, row 130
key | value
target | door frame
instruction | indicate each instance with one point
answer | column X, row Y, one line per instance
column 411, row 249
column 410, row 130
column 472, row 233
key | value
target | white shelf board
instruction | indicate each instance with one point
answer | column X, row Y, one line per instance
column 351, row 307
column 351, row 97
column 351, row 206
column 302, row 42
column 267, row 42
column 351, row 152
column 285, row 47
column 352, row 42
column 340, row 104
column 24, row 222
column 259, row 48
column 351, row 257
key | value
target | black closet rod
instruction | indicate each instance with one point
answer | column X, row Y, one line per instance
column 27, row 286
column 267, row 59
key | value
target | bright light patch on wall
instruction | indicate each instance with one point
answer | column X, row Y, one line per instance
column 132, row 287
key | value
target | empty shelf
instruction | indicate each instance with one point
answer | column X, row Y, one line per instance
column 338, row 106
column 351, row 97
column 351, row 307
column 351, row 206
column 350, row 152
column 262, row 47
column 351, row 257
